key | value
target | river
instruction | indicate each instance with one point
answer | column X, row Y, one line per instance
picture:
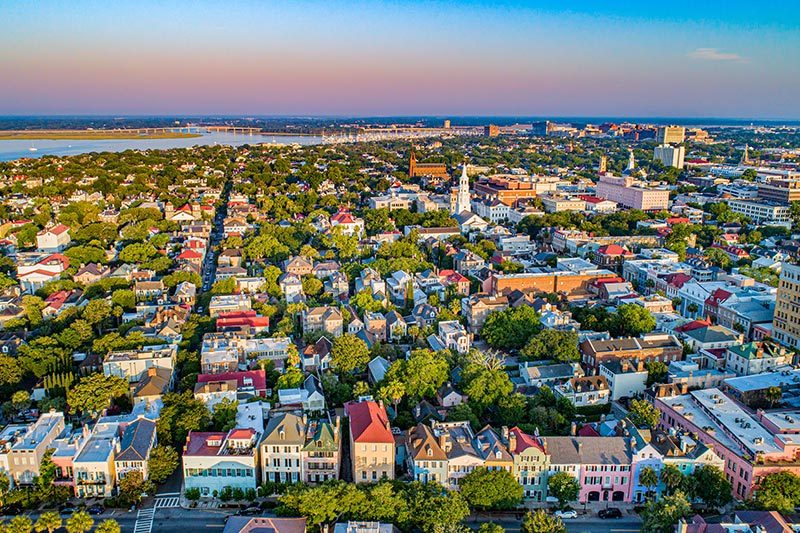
column 14, row 149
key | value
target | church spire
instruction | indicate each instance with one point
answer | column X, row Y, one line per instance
column 462, row 196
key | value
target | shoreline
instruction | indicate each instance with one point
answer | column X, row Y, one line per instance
column 99, row 135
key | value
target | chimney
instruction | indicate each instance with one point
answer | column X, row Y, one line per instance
column 640, row 366
column 504, row 433
column 152, row 372
column 573, row 428
column 512, row 442
column 625, row 365
column 580, row 445
column 444, row 441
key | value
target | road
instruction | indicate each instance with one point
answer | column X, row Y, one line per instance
column 588, row 524
column 209, row 271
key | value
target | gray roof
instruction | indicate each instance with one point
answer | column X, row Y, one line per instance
column 290, row 424
column 588, row 450
column 136, row 440
column 712, row 334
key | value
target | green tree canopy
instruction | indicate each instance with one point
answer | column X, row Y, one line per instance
column 486, row 489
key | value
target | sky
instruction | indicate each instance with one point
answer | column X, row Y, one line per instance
column 700, row 58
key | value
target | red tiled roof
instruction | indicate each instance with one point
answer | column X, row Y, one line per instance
column 613, row 249
column 588, row 431
column 369, row 423
column 190, row 254
column 524, row 441
column 197, row 443
column 241, row 434
column 678, row 279
column 693, row 325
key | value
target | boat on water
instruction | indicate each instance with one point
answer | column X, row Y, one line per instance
column 33, row 149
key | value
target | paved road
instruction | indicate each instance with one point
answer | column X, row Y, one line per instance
column 209, row 268
column 589, row 524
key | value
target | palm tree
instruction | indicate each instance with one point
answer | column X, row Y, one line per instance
column 79, row 522
column 48, row 521
column 772, row 395
column 672, row 478
column 108, row 526
column 648, row 479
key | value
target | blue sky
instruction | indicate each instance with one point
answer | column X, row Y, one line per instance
column 679, row 58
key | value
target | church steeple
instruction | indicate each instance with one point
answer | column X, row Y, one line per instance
column 462, row 196
column 631, row 163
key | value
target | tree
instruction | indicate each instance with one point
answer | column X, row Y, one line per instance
column 349, row 353
column 132, row 485
column 48, row 521
column 96, row 312
column 292, row 378
column 561, row 346
column 392, row 391
column 95, row 392
column 661, row 515
column 485, row 386
column 672, row 478
column 632, row 320
column 435, row 510
column 644, row 414
column 486, row 489
column 718, row 257
column 709, row 484
column 181, row 413
column 511, row 328
column 491, row 527
column 108, row 526
column 19, row 524
column 656, row 372
column 564, row 487
column 312, row 286
column 163, row 461
column 648, row 478
column 224, row 416
column 773, row 395
column 10, row 370
column 779, row 491
column 539, row 521
column 421, row 375
column 79, row 522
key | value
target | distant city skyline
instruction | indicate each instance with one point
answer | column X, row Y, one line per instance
column 471, row 58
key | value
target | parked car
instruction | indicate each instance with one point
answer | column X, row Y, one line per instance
column 566, row 513
column 610, row 512
column 12, row 509
column 96, row 510
column 67, row 509
column 250, row 511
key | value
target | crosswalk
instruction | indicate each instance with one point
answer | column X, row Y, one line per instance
column 144, row 520
column 169, row 502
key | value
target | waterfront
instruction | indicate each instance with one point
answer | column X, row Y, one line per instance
column 16, row 149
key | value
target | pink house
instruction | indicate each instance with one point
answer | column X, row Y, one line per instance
column 602, row 465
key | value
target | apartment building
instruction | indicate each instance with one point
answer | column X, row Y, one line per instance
column 627, row 192
column 786, row 322
column 649, row 347
column 25, row 456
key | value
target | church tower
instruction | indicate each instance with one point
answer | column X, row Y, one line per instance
column 412, row 164
column 746, row 155
column 602, row 168
column 462, row 196
column 631, row 163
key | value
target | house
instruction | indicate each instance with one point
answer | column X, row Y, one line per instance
column 323, row 319
column 648, row 347
column 317, row 356
column 284, row 436
column 138, row 440
column 625, row 379
column 153, row 385
column 26, row 453
column 321, row 454
column 372, row 447
column 447, row 396
column 711, row 337
column 245, row 524
column 756, row 358
column 478, row 306
column 94, row 472
column 546, row 373
column 35, row 275
column 530, row 462
column 396, row 327
column 424, row 315
column 292, row 287
column 459, row 445
column 452, row 336
column 53, row 239
column 134, row 364
column 298, row 266
column 584, row 391
column 427, row 460
column 349, row 224
column 376, row 369
column 215, row 460
column 146, row 290
column 228, row 302
column 88, row 274
column 185, row 293
column 212, row 388
column 309, row 396
column 375, row 323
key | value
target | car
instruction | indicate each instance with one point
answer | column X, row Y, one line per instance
column 610, row 512
column 67, row 509
column 12, row 509
column 566, row 513
column 250, row 511
column 96, row 510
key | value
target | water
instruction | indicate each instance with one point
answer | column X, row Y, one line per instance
column 15, row 149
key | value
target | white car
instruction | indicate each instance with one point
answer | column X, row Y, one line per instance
column 569, row 513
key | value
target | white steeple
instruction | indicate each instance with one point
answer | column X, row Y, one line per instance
column 462, row 198
column 631, row 162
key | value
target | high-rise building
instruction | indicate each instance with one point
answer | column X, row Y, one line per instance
column 491, row 131
column 462, row 202
column 670, row 134
column 447, row 124
column 780, row 191
column 670, row 156
column 602, row 167
column 786, row 321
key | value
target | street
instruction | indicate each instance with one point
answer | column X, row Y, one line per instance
column 582, row 524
